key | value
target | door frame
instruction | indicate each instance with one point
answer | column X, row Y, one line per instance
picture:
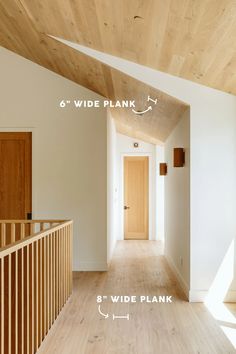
column 151, row 191
column 33, row 164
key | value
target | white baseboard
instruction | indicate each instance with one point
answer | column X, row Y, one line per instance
column 200, row 296
column 92, row 266
column 178, row 276
column 197, row 295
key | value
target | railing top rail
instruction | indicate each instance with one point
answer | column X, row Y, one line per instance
column 49, row 221
column 5, row 251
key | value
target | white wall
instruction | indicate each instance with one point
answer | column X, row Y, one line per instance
column 177, row 204
column 213, row 168
column 213, row 176
column 125, row 148
column 69, row 152
column 112, row 189
column 160, row 195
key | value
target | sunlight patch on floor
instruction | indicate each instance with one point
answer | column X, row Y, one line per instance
column 223, row 279
column 218, row 292
column 230, row 334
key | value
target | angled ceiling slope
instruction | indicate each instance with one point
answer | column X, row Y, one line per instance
column 19, row 32
column 192, row 39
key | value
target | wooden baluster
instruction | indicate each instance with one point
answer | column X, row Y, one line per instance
column 16, row 302
column 22, row 231
column 9, row 303
column 32, row 228
column 27, row 299
column 68, row 259
column 51, row 281
column 71, row 257
column 64, row 262
column 13, row 233
column 67, row 262
column 3, row 235
column 37, row 296
column 58, row 271
column 65, row 251
column 22, row 301
column 33, row 297
column 41, row 291
column 60, row 267
column 57, row 274
column 48, row 284
column 69, row 270
column 53, row 276
column 45, row 285
column 2, row 305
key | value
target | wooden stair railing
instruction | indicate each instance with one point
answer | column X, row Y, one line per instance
column 35, row 280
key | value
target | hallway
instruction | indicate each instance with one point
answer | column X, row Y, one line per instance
column 138, row 268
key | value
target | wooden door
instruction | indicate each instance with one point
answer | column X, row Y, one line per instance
column 136, row 197
column 15, row 175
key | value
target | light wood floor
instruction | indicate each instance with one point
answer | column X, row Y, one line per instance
column 138, row 268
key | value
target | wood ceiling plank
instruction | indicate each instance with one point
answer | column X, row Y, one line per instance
column 156, row 124
column 180, row 37
column 25, row 40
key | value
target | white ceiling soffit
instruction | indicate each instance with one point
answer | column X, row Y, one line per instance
column 154, row 78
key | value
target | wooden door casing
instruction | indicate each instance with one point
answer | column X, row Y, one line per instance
column 15, row 176
column 136, row 190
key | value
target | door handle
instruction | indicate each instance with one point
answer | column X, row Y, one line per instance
column 126, row 207
column 29, row 216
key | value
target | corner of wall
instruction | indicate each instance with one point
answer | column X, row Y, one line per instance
column 111, row 187
column 184, row 286
column 177, row 204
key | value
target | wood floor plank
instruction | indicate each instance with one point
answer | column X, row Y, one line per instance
column 137, row 268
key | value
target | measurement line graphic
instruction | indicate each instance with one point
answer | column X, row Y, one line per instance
column 151, row 99
column 126, row 317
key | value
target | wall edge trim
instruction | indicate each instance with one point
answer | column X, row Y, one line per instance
column 178, row 276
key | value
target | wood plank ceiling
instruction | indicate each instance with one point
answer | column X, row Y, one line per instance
column 193, row 39
column 187, row 38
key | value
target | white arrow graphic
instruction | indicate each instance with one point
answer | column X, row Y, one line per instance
column 101, row 313
column 140, row 113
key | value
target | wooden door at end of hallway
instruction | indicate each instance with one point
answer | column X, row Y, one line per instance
column 136, row 192
column 15, row 175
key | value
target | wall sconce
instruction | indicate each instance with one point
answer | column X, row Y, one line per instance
column 163, row 169
column 179, row 157
column 136, row 145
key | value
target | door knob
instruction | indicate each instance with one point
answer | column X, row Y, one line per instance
column 126, row 207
